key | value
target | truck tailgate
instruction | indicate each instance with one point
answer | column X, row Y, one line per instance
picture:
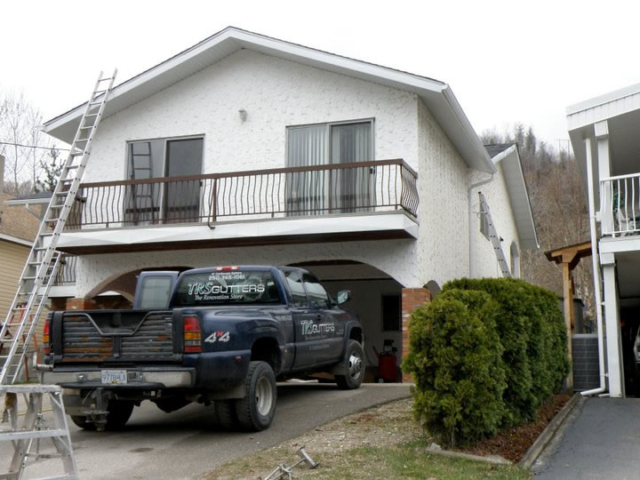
column 99, row 336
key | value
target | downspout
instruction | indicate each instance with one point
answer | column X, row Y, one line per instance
column 596, row 273
column 470, row 199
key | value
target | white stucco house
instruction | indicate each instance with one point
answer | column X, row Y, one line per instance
column 245, row 149
column 604, row 136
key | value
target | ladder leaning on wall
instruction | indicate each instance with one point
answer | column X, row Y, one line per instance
column 494, row 237
column 33, row 289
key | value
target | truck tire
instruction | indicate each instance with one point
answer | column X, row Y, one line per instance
column 354, row 363
column 119, row 414
column 225, row 411
column 256, row 410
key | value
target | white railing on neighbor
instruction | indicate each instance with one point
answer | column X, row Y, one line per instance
column 620, row 205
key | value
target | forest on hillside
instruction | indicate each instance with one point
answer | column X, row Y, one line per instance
column 560, row 210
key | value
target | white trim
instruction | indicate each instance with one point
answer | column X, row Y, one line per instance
column 296, row 227
column 603, row 99
column 17, row 240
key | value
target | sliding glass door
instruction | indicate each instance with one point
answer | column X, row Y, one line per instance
column 334, row 190
column 163, row 202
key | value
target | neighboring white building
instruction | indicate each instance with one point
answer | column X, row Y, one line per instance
column 604, row 136
column 289, row 155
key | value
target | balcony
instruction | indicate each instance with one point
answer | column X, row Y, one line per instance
column 620, row 205
column 338, row 202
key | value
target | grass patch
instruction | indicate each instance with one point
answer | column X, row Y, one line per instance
column 381, row 443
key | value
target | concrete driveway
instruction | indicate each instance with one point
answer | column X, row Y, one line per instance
column 187, row 443
column 603, row 442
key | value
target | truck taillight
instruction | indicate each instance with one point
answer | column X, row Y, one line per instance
column 192, row 334
column 46, row 336
column 229, row 268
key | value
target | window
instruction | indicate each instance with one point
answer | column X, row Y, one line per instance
column 155, row 292
column 323, row 191
column 227, row 288
column 515, row 260
column 294, row 280
column 318, row 297
column 391, row 313
column 163, row 202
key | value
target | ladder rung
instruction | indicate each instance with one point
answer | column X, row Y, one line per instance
column 105, row 79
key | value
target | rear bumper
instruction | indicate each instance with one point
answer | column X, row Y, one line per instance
column 137, row 378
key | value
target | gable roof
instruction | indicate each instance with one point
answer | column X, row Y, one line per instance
column 17, row 225
column 507, row 155
column 437, row 95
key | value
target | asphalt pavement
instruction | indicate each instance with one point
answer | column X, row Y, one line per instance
column 187, row 443
column 603, row 442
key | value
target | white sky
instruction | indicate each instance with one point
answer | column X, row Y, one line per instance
column 506, row 61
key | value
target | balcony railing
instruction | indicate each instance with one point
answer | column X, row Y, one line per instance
column 361, row 187
column 620, row 205
column 66, row 271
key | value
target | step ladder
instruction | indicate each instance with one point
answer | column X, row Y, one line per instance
column 494, row 237
column 41, row 268
column 33, row 429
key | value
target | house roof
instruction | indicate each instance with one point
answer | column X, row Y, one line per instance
column 508, row 157
column 39, row 198
column 437, row 95
column 17, row 225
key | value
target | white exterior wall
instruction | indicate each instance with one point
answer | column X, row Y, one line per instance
column 271, row 91
column 275, row 93
column 497, row 195
column 396, row 258
column 443, row 250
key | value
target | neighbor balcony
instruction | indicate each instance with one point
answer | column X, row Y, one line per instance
column 336, row 202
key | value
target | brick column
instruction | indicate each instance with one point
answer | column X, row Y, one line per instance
column 412, row 298
column 80, row 304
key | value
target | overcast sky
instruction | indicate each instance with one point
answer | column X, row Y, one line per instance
column 506, row 61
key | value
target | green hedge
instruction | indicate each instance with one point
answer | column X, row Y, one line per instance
column 485, row 354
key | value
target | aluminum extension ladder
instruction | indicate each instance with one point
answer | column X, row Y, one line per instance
column 494, row 237
column 33, row 290
column 42, row 264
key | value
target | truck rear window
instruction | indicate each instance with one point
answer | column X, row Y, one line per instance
column 226, row 288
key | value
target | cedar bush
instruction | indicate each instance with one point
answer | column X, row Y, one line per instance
column 456, row 361
column 485, row 354
column 532, row 331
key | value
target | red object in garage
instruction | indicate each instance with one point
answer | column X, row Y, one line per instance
column 387, row 369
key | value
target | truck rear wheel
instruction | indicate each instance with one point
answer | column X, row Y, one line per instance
column 258, row 407
column 225, row 411
column 354, row 364
column 119, row 414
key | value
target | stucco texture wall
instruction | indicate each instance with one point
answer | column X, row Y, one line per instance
column 394, row 257
column 496, row 193
column 275, row 93
column 443, row 179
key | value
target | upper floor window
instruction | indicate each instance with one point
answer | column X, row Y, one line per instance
column 330, row 191
column 167, row 201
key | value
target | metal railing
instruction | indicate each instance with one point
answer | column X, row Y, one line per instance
column 620, row 205
column 360, row 187
column 67, row 271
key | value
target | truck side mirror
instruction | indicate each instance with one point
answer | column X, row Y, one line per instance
column 343, row 296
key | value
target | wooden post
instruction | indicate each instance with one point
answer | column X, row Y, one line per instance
column 568, row 314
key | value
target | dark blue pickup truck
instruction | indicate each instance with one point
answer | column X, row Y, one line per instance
column 225, row 336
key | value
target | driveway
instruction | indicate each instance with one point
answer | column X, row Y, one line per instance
column 187, row 443
column 602, row 443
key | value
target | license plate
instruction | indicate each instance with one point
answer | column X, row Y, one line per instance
column 114, row 377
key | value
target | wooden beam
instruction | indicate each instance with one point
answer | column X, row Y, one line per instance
column 567, row 291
